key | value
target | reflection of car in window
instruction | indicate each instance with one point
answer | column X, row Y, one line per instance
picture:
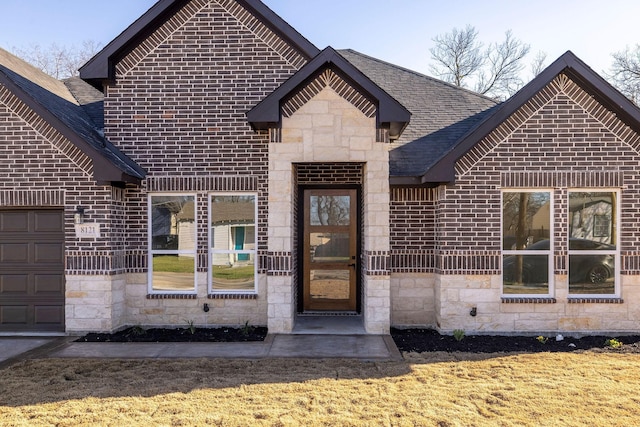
column 582, row 268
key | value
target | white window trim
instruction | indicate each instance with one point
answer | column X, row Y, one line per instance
column 211, row 251
column 152, row 252
column 615, row 253
column 549, row 253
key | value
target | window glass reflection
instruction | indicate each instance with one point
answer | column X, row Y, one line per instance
column 330, row 210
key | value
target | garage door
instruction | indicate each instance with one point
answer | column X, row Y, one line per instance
column 31, row 270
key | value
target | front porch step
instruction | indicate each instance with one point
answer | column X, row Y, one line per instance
column 329, row 325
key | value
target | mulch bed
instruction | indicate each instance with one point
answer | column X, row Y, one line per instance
column 137, row 334
column 407, row 340
column 429, row 340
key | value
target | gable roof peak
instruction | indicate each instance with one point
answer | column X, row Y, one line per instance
column 54, row 102
column 568, row 64
column 100, row 68
column 390, row 112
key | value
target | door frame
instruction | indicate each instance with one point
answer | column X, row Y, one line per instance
column 300, row 230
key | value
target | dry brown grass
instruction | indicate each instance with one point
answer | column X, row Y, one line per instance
column 546, row 389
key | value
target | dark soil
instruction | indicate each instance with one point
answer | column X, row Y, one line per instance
column 427, row 340
column 137, row 334
column 407, row 340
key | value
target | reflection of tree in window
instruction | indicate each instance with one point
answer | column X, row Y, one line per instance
column 330, row 210
column 525, row 218
column 526, row 226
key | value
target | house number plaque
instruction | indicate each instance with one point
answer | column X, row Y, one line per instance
column 87, row 230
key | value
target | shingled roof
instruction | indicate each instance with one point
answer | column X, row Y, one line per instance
column 568, row 64
column 441, row 113
column 90, row 99
column 54, row 102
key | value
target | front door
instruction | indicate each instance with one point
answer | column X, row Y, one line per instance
column 330, row 249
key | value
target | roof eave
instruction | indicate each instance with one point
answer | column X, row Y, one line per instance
column 444, row 169
column 108, row 171
column 404, row 181
column 390, row 112
column 100, row 68
column 280, row 27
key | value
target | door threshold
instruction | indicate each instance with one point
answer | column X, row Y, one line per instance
column 328, row 313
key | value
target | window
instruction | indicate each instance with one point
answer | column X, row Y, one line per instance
column 172, row 242
column 232, row 237
column 527, row 262
column 592, row 242
column 601, row 225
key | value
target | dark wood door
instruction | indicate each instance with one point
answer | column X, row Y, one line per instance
column 330, row 251
column 31, row 270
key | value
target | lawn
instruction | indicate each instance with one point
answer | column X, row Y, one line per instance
column 173, row 263
column 432, row 389
column 232, row 273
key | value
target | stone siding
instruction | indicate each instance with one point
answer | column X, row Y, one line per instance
column 329, row 129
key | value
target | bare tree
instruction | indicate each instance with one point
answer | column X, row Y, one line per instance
column 59, row 61
column 539, row 63
column 504, row 62
column 330, row 210
column 458, row 55
column 495, row 71
column 625, row 73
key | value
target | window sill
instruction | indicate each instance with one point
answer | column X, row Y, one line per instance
column 222, row 295
column 528, row 300
column 598, row 300
column 172, row 296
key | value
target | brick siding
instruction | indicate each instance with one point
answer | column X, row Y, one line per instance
column 562, row 138
column 178, row 109
column 39, row 167
column 412, row 227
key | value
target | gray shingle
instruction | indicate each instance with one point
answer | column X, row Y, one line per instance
column 55, row 98
column 441, row 113
column 90, row 99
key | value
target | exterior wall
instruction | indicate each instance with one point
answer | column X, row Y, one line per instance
column 562, row 139
column 186, row 125
column 142, row 309
column 459, row 294
column 329, row 129
column 40, row 168
column 412, row 239
column 95, row 302
column 413, row 300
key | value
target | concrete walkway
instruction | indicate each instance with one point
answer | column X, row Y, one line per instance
column 363, row 347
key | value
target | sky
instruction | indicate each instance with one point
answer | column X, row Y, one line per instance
column 396, row 31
